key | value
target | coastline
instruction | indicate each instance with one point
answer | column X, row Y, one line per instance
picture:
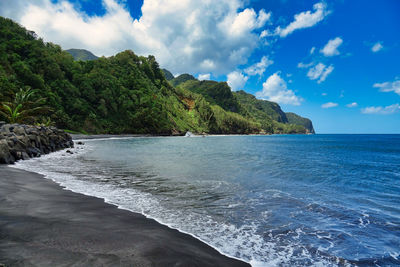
column 44, row 224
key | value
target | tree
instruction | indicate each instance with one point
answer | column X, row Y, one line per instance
column 24, row 107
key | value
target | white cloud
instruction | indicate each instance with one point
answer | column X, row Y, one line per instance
column 185, row 36
column 352, row 105
column 324, row 94
column 304, row 20
column 265, row 33
column 329, row 105
column 247, row 20
column 381, row 110
column 376, row 47
column 302, row 65
column 389, row 86
column 319, row 72
column 331, row 48
column 312, row 50
column 275, row 89
column 203, row 77
column 259, row 68
column 236, row 80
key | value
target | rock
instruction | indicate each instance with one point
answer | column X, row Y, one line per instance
column 69, row 152
column 1, row 124
column 5, row 154
column 80, row 143
column 18, row 141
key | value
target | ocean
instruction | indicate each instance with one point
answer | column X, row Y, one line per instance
column 281, row 200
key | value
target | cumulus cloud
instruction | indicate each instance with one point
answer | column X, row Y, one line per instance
column 329, row 105
column 319, row 72
column 389, row 86
column 275, row 89
column 203, row 77
column 259, row 68
column 331, row 48
column 304, row 19
column 352, row 105
column 236, row 80
column 376, row 47
column 312, row 50
column 381, row 110
column 185, row 36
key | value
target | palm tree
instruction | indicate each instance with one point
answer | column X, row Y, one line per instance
column 23, row 108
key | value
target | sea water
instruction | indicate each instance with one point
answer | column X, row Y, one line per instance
column 285, row 200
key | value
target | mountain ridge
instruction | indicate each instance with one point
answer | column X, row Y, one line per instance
column 81, row 54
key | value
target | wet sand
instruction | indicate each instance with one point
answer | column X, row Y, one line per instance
column 42, row 224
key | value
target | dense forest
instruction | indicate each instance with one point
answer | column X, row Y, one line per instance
column 126, row 93
column 268, row 115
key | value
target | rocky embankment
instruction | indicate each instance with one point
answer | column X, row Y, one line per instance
column 19, row 141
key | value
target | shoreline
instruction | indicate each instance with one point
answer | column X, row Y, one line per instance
column 78, row 137
column 72, row 228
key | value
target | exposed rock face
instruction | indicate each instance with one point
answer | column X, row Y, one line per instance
column 19, row 141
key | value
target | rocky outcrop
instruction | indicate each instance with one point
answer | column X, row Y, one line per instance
column 19, row 141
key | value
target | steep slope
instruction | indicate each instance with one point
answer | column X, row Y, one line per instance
column 260, row 108
column 168, row 75
column 181, row 79
column 296, row 119
column 81, row 54
column 216, row 93
column 125, row 93
column 268, row 114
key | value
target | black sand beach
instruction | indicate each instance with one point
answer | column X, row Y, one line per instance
column 43, row 225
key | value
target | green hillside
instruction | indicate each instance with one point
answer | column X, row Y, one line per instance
column 216, row 93
column 181, row 79
column 260, row 108
column 81, row 54
column 168, row 75
column 267, row 114
column 125, row 93
column 296, row 119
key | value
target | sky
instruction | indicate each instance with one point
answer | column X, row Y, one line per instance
column 336, row 62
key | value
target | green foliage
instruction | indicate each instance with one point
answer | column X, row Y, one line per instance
column 23, row 108
column 81, row 54
column 181, row 79
column 261, row 108
column 125, row 93
column 167, row 74
column 298, row 120
column 216, row 93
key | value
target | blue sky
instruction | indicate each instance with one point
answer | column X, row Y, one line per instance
column 335, row 62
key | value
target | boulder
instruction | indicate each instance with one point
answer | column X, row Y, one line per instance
column 5, row 155
column 18, row 141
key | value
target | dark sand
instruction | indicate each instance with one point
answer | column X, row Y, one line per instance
column 43, row 225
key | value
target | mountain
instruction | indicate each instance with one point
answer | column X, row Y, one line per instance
column 181, row 79
column 168, row 75
column 125, row 93
column 296, row 119
column 267, row 114
column 81, row 54
column 216, row 93
column 260, row 108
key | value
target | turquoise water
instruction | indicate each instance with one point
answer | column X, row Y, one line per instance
column 270, row 200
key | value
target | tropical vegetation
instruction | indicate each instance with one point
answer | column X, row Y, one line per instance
column 125, row 93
